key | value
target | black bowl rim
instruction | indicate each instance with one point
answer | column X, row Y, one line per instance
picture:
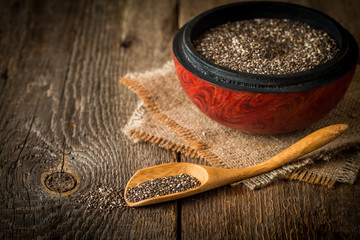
column 324, row 74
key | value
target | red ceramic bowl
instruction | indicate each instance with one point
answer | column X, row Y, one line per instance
column 263, row 104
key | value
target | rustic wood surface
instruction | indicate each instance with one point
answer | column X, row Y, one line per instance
column 62, row 110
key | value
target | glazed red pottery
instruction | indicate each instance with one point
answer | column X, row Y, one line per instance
column 263, row 104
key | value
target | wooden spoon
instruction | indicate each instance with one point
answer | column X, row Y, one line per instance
column 211, row 177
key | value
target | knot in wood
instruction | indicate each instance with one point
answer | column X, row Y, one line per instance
column 60, row 182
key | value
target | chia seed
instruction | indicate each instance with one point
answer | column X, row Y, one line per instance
column 161, row 186
column 266, row 46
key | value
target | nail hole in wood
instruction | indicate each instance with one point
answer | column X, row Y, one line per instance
column 126, row 43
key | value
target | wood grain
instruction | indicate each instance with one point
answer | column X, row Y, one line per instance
column 62, row 110
column 285, row 210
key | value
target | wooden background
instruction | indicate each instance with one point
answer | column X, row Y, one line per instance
column 62, row 110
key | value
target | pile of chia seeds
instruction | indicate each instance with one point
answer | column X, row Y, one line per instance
column 104, row 198
column 161, row 186
column 267, row 46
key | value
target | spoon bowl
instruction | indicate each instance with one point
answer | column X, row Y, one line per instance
column 165, row 170
column 211, row 177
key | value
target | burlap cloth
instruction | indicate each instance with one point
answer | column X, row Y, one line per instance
column 167, row 118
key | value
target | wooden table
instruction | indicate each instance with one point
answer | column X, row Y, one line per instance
column 62, row 110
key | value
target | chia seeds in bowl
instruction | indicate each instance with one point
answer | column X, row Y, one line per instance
column 273, row 87
column 266, row 46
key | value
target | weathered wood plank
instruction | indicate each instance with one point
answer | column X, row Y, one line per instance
column 28, row 62
column 285, row 210
column 62, row 110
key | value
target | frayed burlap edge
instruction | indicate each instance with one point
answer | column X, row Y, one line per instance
column 307, row 176
column 347, row 174
column 135, row 135
column 150, row 105
column 350, row 170
column 160, row 142
column 155, row 112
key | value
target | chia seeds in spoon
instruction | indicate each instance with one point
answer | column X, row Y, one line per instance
column 161, row 186
column 267, row 46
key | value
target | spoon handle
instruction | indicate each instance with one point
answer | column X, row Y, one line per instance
column 306, row 145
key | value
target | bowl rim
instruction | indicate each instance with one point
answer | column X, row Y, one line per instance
column 326, row 73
